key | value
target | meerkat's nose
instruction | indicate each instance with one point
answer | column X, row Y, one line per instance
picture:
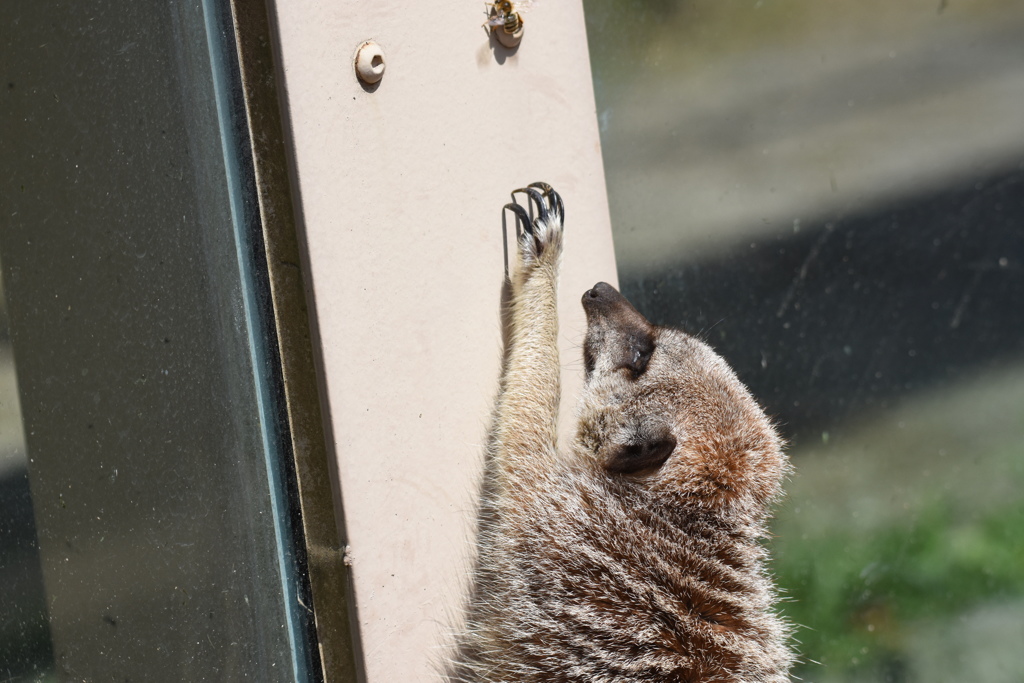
column 602, row 296
column 602, row 301
column 602, row 290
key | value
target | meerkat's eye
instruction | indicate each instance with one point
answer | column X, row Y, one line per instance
column 637, row 354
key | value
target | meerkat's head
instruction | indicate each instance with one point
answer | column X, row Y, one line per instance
column 661, row 409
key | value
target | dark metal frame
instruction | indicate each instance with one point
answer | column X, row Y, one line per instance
column 309, row 480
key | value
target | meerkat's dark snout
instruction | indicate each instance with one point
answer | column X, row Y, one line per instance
column 616, row 332
column 604, row 305
column 602, row 295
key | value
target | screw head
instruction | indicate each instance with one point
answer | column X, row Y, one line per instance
column 369, row 62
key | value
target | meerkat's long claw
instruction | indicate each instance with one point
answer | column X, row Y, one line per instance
column 522, row 215
column 543, row 208
column 552, row 197
column 559, row 207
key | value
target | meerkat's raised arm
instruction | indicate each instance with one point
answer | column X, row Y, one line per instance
column 525, row 429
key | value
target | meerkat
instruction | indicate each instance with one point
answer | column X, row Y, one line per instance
column 637, row 554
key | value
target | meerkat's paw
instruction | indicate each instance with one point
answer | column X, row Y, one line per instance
column 541, row 238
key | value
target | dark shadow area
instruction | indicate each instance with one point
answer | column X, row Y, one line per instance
column 25, row 647
column 499, row 51
column 835, row 318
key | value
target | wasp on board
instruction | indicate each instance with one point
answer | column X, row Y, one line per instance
column 505, row 17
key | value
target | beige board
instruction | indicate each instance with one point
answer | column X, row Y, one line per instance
column 400, row 192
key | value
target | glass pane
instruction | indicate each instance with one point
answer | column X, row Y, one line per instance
column 832, row 194
column 146, row 532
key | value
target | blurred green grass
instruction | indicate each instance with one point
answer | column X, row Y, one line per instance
column 858, row 595
column 911, row 517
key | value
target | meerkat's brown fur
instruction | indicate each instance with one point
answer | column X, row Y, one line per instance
column 637, row 554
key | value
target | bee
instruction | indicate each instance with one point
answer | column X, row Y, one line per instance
column 506, row 15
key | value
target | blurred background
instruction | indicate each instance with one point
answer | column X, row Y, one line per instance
column 25, row 648
column 831, row 193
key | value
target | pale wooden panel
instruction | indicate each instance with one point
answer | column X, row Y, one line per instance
column 401, row 190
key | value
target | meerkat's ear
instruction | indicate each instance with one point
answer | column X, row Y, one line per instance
column 647, row 453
